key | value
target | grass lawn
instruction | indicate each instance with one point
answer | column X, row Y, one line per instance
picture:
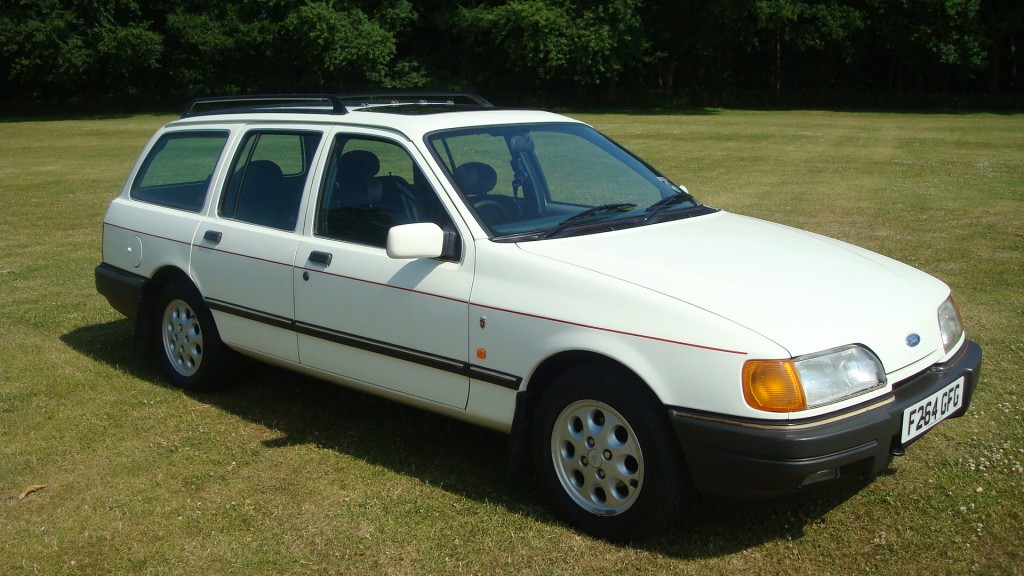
column 104, row 469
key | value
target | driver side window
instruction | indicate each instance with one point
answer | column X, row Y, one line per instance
column 370, row 186
column 491, row 181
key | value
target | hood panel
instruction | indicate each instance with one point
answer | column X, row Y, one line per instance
column 803, row 291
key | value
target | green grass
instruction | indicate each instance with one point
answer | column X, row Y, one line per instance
column 285, row 475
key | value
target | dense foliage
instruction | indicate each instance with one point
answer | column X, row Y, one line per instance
column 140, row 52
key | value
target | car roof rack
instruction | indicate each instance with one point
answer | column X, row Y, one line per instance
column 323, row 103
column 416, row 97
column 249, row 103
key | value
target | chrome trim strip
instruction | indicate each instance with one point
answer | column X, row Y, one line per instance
column 783, row 424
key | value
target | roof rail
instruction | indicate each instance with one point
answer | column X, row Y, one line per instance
column 416, row 97
column 264, row 103
column 316, row 103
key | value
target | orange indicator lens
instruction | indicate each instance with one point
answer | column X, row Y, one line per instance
column 773, row 386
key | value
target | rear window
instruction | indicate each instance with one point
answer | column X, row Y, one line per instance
column 177, row 171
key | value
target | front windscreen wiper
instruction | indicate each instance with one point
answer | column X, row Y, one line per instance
column 576, row 219
column 666, row 203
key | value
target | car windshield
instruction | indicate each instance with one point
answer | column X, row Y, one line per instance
column 528, row 182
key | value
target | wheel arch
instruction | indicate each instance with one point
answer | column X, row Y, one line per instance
column 599, row 383
column 518, row 455
column 151, row 289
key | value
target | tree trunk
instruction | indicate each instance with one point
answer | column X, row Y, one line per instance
column 777, row 72
column 1013, row 64
column 994, row 67
column 668, row 78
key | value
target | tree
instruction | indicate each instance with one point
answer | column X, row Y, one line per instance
column 777, row 16
column 128, row 57
column 926, row 43
column 204, row 47
column 55, row 50
column 332, row 43
column 1004, row 30
column 806, row 27
column 289, row 46
column 43, row 49
column 693, row 39
column 583, row 42
column 325, row 44
column 115, row 51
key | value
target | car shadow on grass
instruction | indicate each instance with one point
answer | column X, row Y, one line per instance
column 443, row 452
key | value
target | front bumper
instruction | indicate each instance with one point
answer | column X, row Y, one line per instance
column 764, row 458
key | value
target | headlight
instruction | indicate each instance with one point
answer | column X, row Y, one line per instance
column 811, row 381
column 839, row 374
column 950, row 325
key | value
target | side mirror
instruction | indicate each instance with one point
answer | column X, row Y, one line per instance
column 421, row 240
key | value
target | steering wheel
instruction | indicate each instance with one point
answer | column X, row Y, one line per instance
column 491, row 210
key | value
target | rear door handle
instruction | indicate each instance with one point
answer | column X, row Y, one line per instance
column 319, row 257
column 213, row 236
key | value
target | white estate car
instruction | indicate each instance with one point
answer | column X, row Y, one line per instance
column 521, row 271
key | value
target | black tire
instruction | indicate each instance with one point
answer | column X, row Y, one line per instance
column 606, row 457
column 188, row 346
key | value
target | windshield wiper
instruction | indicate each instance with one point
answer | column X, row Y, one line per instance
column 575, row 219
column 666, row 203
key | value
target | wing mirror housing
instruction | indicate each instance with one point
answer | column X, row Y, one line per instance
column 423, row 240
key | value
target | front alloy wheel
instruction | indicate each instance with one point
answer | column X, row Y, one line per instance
column 606, row 456
column 597, row 458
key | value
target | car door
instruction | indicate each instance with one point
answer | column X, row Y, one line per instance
column 242, row 256
column 401, row 325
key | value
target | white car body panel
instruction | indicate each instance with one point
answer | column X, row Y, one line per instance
column 416, row 306
column 264, row 255
column 677, row 349
column 787, row 285
column 144, row 238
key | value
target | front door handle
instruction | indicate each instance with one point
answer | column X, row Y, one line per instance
column 213, row 236
column 319, row 257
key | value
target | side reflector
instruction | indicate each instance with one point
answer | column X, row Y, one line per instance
column 773, row 386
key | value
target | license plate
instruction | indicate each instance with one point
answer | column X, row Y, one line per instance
column 920, row 417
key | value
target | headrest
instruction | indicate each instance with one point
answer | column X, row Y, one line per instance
column 475, row 178
column 361, row 162
column 259, row 170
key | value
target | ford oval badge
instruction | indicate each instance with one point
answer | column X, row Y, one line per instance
column 913, row 339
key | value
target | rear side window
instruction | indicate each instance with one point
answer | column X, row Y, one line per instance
column 177, row 171
column 268, row 177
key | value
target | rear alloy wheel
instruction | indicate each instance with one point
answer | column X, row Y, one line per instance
column 191, row 352
column 183, row 338
column 606, row 456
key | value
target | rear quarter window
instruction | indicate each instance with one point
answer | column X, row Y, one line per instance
column 176, row 173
